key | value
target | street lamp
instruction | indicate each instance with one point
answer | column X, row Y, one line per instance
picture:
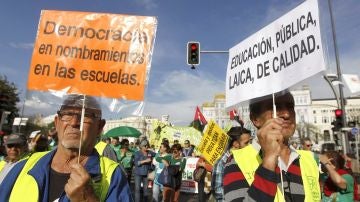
column 332, row 80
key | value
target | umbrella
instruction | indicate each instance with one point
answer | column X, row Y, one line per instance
column 123, row 131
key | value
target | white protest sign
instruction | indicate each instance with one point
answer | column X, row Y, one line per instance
column 352, row 82
column 276, row 57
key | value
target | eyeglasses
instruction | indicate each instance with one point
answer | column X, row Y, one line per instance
column 309, row 145
column 13, row 145
column 69, row 115
column 175, row 151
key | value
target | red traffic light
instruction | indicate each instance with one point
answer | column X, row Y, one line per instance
column 338, row 112
column 194, row 46
column 193, row 53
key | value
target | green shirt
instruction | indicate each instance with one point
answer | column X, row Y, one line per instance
column 117, row 151
column 173, row 161
column 126, row 159
column 343, row 195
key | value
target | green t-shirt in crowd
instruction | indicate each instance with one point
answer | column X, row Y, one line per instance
column 126, row 159
column 343, row 195
column 181, row 161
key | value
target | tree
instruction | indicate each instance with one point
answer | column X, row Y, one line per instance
column 8, row 99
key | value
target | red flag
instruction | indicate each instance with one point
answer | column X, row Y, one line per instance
column 235, row 117
column 199, row 116
column 233, row 114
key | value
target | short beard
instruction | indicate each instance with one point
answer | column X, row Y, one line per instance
column 70, row 145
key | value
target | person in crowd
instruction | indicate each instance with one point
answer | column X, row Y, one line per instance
column 136, row 146
column 106, row 150
column 2, row 146
column 52, row 138
column 73, row 171
column 157, row 186
column 339, row 185
column 166, row 141
column 115, row 144
column 294, row 145
column 126, row 158
column 201, row 183
column 269, row 169
column 31, row 141
column 16, row 149
column 306, row 144
column 240, row 137
column 172, row 194
column 131, row 146
column 176, row 142
column 187, row 150
column 39, row 143
column 143, row 166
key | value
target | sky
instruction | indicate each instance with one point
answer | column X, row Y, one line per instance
column 175, row 89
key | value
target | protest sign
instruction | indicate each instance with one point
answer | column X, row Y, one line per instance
column 160, row 130
column 276, row 57
column 188, row 184
column 352, row 82
column 213, row 142
column 94, row 54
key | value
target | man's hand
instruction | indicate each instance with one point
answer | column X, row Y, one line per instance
column 271, row 140
column 148, row 160
column 78, row 187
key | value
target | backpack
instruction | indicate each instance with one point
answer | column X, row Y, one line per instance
column 199, row 174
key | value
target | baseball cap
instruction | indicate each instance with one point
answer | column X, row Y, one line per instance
column 76, row 100
column 34, row 133
column 144, row 143
column 16, row 139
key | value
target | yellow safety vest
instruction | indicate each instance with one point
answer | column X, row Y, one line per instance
column 100, row 147
column 26, row 187
column 309, row 171
column 2, row 164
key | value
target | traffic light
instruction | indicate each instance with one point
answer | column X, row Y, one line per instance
column 337, row 124
column 193, row 53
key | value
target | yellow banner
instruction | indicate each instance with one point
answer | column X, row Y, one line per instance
column 161, row 130
column 213, row 143
column 95, row 54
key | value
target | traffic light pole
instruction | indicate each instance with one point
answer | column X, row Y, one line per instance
column 339, row 75
column 338, row 69
column 214, row 51
column 333, row 89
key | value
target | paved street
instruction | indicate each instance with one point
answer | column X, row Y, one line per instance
column 184, row 197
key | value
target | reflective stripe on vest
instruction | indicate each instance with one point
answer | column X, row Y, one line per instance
column 310, row 175
column 26, row 187
column 100, row 147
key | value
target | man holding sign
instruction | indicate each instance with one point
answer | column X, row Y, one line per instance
column 269, row 169
column 48, row 176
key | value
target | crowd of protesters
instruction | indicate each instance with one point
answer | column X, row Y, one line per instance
column 247, row 170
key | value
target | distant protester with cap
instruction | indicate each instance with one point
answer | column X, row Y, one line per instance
column 240, row 137
column 126, row 158
column 143, row 165
column 16, row 149
column 63, row 175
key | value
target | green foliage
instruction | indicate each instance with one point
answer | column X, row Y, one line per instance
column 8, row 99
